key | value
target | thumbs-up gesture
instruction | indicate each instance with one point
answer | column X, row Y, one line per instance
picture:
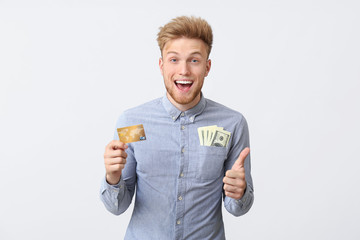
column 234, row 180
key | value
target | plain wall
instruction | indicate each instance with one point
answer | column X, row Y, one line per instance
column 69, row 68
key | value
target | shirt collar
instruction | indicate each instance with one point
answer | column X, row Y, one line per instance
column 191, row 113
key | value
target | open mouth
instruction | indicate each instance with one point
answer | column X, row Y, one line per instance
column 183, row 85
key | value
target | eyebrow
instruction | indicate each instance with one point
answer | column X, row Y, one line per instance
column 193, row 53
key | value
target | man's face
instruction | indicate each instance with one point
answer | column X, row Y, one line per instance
column 184, row 65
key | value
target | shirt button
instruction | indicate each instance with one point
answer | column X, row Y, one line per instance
column 116, row 204
column 182, row 127
column 181, row 174
column 182, row 114
column 183, row 150
column 173, row 118
column 192, row 119
column 180, row 198
column 178, row 222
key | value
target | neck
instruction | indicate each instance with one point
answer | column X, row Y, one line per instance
column 184, row 107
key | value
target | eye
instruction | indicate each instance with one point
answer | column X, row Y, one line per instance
column 195, row 61
column 173, row 60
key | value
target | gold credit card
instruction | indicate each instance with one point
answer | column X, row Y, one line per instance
column 131, row 134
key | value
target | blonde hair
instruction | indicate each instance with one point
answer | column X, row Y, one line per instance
column 189, row 27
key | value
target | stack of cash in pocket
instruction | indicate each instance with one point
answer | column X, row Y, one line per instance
column 213, row 136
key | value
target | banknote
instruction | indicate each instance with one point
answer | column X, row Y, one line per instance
column 131, row 134
column 213, row 136
column 220, row 138
column 204, row 132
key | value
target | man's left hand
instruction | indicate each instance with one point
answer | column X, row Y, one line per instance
column 234, row 180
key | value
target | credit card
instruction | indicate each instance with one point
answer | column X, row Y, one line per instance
column 131, row 134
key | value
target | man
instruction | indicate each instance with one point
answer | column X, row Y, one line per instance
column 180, row 178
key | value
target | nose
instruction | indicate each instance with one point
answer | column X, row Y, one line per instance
column 184, row 68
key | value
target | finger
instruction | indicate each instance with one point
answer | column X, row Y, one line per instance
column 113, row 161
column 234, row 195
column 236, row 182
column 232, row 189
column 235, row 173
column 116, row 144
column 115, row 168
column 115, row 153
column 241, row 159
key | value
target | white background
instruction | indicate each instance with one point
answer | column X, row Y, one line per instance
column 69, row 68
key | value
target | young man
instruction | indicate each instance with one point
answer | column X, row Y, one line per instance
column 181, row 176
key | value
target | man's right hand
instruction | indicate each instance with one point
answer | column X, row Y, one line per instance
column 115, row 159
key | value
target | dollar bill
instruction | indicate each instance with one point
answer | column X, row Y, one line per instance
column 204, row 134
column 211, row 133
column 213, row 136
column 201, row 135
column 220, row 138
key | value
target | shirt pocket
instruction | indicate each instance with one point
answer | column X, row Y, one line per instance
column 210, row 162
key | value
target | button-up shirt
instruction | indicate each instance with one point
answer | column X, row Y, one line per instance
column 178, row 181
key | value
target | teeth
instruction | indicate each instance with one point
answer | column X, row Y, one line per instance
column 183, row 82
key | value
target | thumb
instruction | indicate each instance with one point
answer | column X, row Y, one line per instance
column 241, row 159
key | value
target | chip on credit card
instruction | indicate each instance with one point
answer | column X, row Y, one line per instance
column 131, row 134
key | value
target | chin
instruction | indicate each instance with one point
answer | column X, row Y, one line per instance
column 181, row 98
column 184, row 100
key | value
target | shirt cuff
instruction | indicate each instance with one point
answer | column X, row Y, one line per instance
column 243, row 201
column 112, row 188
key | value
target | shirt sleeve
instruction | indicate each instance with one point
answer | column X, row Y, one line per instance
column 240, row 140
column 117, row 198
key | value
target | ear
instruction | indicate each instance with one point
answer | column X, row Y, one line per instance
column 208, row 66
column 161, row 65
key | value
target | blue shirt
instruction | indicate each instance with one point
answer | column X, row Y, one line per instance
column 178, row 182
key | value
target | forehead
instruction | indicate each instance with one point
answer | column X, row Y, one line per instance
column 185, row 46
